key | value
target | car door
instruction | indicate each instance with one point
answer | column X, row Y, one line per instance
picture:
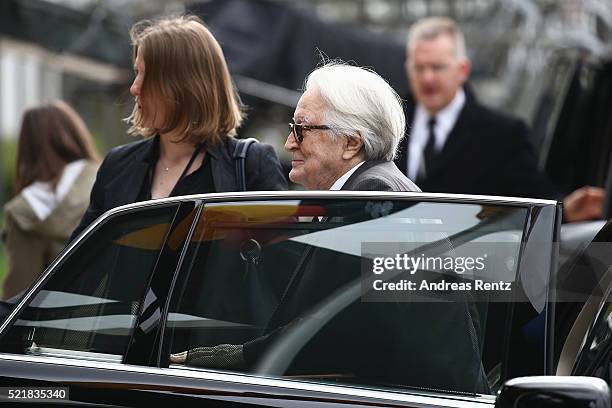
column 293, row 280
column 98, row 306
column 284, row 296
column 589, row 309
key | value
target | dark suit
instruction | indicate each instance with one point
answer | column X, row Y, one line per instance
column 122, row 173
column 416, row 344
column 379, row 175
column 486, row 152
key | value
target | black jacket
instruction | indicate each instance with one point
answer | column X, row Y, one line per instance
column 124, row 169
column 487, row 152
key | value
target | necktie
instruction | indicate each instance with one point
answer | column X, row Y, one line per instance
column 429, row 153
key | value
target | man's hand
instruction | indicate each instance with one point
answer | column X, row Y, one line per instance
column 583, row 204
column 221, row 356
column 179, row 358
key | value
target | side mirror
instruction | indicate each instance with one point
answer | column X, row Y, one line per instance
column 551, row 391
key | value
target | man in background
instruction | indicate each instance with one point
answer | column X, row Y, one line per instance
column 457, row 145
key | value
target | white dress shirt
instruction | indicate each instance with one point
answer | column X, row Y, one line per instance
column 340, row 182
column 419, row 132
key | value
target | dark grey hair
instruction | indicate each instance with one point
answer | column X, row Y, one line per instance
column 361, row 103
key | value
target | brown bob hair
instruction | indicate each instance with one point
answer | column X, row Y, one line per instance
column 186, row 71
column 51, row 136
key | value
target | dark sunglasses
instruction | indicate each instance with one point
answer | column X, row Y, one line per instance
column 298, row 130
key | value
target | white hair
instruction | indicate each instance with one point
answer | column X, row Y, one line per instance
column 361, row 103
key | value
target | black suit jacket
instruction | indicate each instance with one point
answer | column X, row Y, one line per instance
column 122, row 173
column 417, row 344
column 486, row 152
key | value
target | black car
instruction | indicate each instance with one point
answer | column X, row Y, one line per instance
column 324, row 298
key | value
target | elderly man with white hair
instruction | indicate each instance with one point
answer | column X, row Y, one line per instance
column 345, row 132
column 344, row 135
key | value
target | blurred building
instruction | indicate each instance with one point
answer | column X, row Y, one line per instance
column 48, row 51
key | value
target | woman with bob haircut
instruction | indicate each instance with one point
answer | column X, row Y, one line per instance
column 56, row 167
column 187, row 109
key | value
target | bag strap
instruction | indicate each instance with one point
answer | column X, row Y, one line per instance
column 239, row 155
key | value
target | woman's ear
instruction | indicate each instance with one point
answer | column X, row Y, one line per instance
column 352, row 146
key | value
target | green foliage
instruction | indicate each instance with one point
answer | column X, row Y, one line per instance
column 3, row 264
column 3, row 259
column 8, row 155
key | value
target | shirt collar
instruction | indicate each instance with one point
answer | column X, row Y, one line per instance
column 419, row 133
column 446, row 118
column 340, row 182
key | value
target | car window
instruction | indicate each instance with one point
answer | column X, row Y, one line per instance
column 89, row 305
column 287, row 288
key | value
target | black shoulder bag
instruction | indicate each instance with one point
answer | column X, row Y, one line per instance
column 260, row 299
column 240, row 155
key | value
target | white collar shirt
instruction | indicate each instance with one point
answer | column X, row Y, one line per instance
column 419, row 133
column 340, row 182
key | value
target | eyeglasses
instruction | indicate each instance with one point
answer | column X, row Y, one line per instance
column 298, row 130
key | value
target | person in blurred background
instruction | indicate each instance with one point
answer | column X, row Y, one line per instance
column 456, row 145
column 56, row 168
column 187, row 109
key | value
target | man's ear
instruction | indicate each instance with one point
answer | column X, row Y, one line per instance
column 352, row 146
column 465, row 69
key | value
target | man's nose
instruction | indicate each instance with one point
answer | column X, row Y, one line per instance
column 428, row 75
column 290, row 143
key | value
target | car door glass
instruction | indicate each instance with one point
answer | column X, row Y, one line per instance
column 256, row 273
column 89, row 305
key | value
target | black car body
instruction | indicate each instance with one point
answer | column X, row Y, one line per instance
column 156, row 278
